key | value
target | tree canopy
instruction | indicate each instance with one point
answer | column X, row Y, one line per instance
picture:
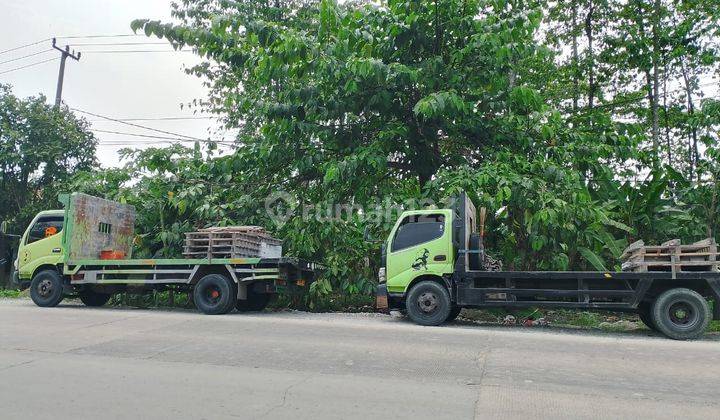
column 41, row 148
column 581, row 125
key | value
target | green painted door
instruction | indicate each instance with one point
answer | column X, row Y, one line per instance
column 41, row 245
column 419, row 244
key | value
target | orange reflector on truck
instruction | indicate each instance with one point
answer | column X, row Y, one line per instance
column 300, row 282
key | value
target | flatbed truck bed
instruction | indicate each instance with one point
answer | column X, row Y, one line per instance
column 430, row 270
column 58, row 257
column 617, row 291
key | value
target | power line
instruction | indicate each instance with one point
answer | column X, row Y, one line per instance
column 158, row 119
column 98, row 36
column 143, row 135
column 137, row 125
column 164, row 138
column 69, row 37
column 30, row 65
column 134, row 143
column 135, row 51
column 25, row 56
column 108, row 44
column 25, row 46
column 141, row 142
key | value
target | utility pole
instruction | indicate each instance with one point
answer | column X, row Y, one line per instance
column 65, row 53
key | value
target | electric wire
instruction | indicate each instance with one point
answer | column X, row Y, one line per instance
column 156, row 119
column 144, row 135
column 112, row 44
column 29, row 65
column 137, row 125
column 164, row 139
column 134, row 51
column 99, row 36
column 26, row 56
column 25, row 46
column 69, row 37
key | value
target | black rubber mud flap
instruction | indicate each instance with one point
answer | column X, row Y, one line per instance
column 381, row 299
column 475, row 258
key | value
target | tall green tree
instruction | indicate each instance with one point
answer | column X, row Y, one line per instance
column 559, row 135
column 41, row 148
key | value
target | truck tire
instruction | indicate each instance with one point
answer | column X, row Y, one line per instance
column 454, row 312
column 255, row 301
column 681, row 314
column 214, row 294
column 46, row 288
column 428, row 303
column 93, row 298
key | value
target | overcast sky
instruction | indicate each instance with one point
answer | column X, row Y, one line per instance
column 118, row 85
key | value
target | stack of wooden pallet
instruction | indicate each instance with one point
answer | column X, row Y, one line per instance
column 232, row 242
column 671, row 256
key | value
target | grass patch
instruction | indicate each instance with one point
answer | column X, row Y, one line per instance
column 608, row 321
column 153, row 299
column 10, row 293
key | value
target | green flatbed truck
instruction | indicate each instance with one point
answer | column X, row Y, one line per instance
column 59, row 256
column 431, row 268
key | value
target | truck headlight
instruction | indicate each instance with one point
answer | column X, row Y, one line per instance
column 381, row 275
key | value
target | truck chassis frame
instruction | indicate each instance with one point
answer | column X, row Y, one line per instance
column 613, row 291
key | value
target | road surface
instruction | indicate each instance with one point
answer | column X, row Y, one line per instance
column 77, row 362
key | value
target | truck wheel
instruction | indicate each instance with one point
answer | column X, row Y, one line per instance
column 454, row 312
column 46, row 288
column 428, row 303
column 214, row 294
column 93, row 298
column 681, row 314
column 255, row 301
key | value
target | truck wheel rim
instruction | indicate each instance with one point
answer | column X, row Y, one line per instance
column 212, row 295
column 682, row 314
column 428, row 302
column 45, row 288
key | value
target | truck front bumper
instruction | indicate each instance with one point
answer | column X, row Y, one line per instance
column 381, row 299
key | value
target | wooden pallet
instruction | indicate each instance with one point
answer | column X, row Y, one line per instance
column 231, row 242
column 671, row 256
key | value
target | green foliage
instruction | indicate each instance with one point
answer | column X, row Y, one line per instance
column 9, row 294
column 41, row 148
column 573, row 154
column 356, row 103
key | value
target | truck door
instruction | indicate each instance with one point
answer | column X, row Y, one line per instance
column 419, row 245
column 41, row 244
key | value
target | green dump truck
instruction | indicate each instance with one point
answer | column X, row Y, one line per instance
column 432, row 267
column 60, row 253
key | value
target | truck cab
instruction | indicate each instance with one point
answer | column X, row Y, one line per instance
column 428, row 245
column 40, row 245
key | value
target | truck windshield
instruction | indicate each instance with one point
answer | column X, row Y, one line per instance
column 44, row 228
column 418, row 229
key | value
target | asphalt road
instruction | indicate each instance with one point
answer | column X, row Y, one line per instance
column 77, row 362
